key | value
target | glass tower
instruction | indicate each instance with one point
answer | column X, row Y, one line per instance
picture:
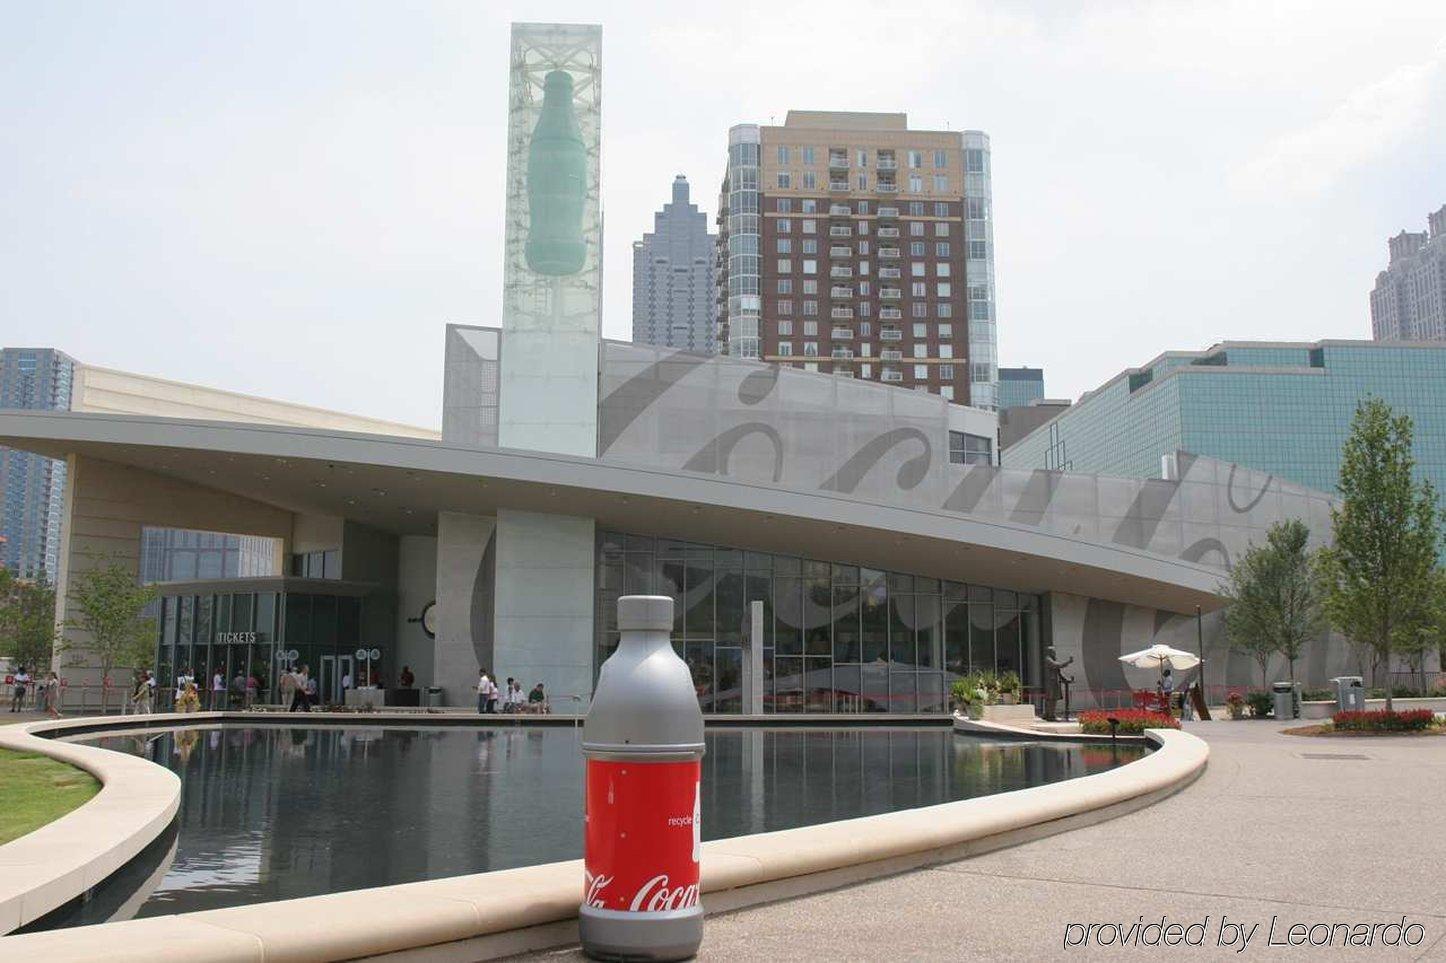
column 32, row 487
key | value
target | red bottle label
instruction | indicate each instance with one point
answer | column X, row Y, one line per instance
column 642, row 836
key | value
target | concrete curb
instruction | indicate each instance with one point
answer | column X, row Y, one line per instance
column 490, row 915
column 998, row 730
column 45, row 869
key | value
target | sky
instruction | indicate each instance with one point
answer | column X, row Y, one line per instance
column 292, row 200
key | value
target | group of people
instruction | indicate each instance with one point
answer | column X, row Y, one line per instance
column 298, row 689
column 47, row 692
column 509, row 697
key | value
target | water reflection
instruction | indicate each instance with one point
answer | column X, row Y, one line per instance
column 273, row 813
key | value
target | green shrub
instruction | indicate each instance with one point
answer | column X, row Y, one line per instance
column 1260, row 704
column 1318, row 695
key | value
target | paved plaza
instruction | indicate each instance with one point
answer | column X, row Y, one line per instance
column 1278, row 826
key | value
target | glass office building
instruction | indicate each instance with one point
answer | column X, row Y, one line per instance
column 32, row 487
column 1020, row 386
column 249, row 626
column 837, row 637
column 1279, row 408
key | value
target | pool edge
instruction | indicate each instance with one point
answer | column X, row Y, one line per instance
column 489, row 915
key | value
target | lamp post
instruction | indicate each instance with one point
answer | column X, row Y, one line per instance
column 1200, row 641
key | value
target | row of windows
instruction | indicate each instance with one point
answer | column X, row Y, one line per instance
column 809, row 182
column 808, row 225
column 809, row 205
column 840, row 156
column 864, row 329
column 943, row 352
column 784, row 245
column 810, row 266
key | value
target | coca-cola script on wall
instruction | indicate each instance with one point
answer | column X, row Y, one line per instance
column 643, row 835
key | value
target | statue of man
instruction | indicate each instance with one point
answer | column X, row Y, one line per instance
column 1054, row 681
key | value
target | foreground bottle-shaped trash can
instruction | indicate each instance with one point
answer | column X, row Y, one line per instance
column 643, row 739
column 556, row 183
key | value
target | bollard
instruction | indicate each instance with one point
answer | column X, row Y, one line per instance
column 643, row 739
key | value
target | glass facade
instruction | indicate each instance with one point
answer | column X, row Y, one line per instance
column 249, row 633
column 1282, row 409
column 837, row 637
column 32, row 487
column 179, row 554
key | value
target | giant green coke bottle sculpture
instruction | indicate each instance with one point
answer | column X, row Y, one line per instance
column 556, row 183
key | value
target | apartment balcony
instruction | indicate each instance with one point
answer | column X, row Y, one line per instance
column 887, row 188
column 891, row 354
column 888, row 232
column 887, row 164
column 888, row 252
column 842, row 314
column 888, row 212
column 843, row 294
column 890, row 274
column 890, row 374
column 842, row 334
column 891, row 314
column 839, row 210
column 891, row 294
column 840, row 230
column 838, row 162
column 891, row 334
column 840, row 272
column 841, row 371
column 842, row 186
column 840, row 252
column 845, row 354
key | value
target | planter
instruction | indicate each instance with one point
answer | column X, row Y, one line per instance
column 1007, row 714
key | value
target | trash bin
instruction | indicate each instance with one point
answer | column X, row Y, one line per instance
column 1350, row 693
column 434, row 696
column 1283, row 695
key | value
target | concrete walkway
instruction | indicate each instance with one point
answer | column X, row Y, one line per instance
column 1278, row 827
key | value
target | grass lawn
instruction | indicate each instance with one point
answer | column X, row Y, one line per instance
column 35, row 790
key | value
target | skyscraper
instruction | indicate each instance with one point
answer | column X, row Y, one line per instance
column 1020, row 386
column 673, row 295
column 32, row 487
column 851, row 244
column 1409, row 300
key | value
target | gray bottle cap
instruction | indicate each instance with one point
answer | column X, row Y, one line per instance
column 644, row 704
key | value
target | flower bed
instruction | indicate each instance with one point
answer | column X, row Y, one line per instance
column 1132, row 721
column 1380, row 720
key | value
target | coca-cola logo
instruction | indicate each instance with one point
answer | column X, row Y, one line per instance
column 655, row 896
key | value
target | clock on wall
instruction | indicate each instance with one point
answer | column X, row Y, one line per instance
column 428, row 618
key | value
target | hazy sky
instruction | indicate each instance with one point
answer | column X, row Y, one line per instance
column 292, row 199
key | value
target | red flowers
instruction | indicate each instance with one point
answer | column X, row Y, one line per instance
column 1379, row 720
column 1132, row 721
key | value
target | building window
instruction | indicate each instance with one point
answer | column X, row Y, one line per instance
column 785, row 285
column 941, row 159
column 978, row 209
column 979, row 310
column 941, row 228
column 944, row 310
column 944, row 289
column 810, row 286
column 863, row 248
column 916, row 248
column 807, row 156
column 863, row 207
column 783, row 180
column 810, row 329
column 941, row 184
column 783, row 225
column 916, row 208
column 864, row 289
column 941, row 269
column 946, row 332
column 785, row 327
column 785, row 306
column 810, row 349
column 865, row 329
column 785, row 349
column 861, row 158
column 784, row 245
column 921, row 331
column 810, row 266
column 946, row 391
column 916, row 184
column 810, row 307
column 782, row 155
column 921, row 372
column 863, row 268
column 810, row 245
column 978, row 250
column 916, row 228
column 810, row 205
column 785, row 266
column 919, row 309
column 946, row 351
column 974, row 160
column 810, row 226
column 967, row 449
column 921, row 350
column 919, row 289
column 917, row 269
column 810, row 181
column 916, row 159
column 941, row 249
column 784, row 205
column 941, row 208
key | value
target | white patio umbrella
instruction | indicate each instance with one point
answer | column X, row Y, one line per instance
column 1159, row 655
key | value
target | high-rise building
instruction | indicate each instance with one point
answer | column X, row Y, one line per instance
column 1284, row 409
column 673, row 294
column 33, row 486
column 1408, row 302
column 850, row 244
column 1020, row 386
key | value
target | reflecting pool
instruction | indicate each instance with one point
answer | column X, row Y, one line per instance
column 274, row 812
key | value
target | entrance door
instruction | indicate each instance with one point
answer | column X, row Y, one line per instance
column 344, row 667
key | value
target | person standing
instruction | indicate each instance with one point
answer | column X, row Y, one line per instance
column 253, row 689
column 298, row 698
column 486, row 690
column 406, row 680
column 20, row 680
column 52, row 695
column 182, row 678
column 218, row 691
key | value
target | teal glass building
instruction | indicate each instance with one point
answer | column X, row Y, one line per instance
column 1283, row 408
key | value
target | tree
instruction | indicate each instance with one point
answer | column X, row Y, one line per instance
column 110, row 602
column 1275, row 596
column 1378, row 572
column 27, row 621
